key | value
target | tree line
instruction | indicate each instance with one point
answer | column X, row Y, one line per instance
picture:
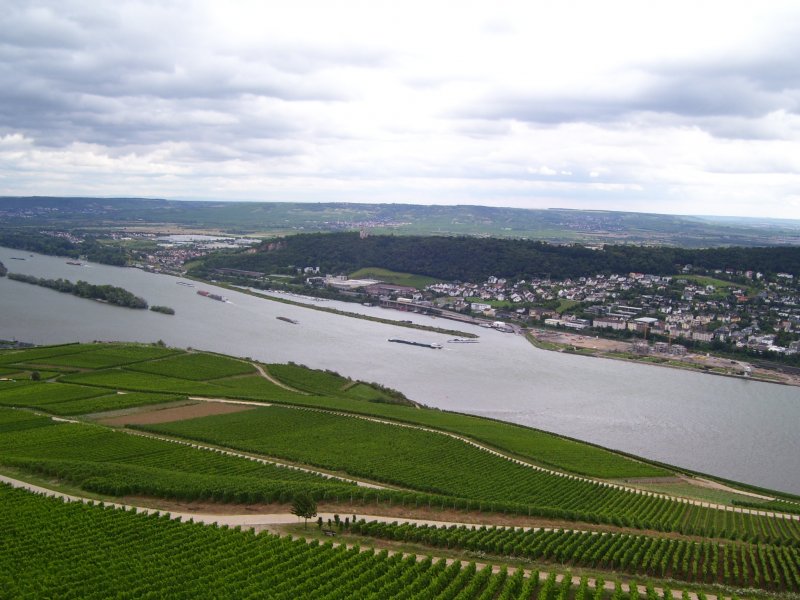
column 472, row 259
column 42, row 243
column 106, row 293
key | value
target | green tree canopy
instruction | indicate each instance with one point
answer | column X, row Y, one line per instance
column 304, row 506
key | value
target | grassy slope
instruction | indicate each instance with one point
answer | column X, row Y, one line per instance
column 394, row 277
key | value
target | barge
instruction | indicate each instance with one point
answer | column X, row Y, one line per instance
column 288, row 320
column 206, row 294
column 435, row 346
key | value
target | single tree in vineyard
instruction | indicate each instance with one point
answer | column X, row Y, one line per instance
column 304, row 506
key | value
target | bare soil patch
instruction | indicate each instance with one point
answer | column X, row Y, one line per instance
column 180, row 413
column 581, row 341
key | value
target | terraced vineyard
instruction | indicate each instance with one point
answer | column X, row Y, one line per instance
column 438, row 464
column 105, row 461
column 80, row 551
column 742, row 565
column 464, row 466
column 197, row 367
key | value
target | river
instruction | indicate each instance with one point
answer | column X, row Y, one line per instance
column 732, row 428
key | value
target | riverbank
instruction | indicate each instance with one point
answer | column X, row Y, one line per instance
column 575, row 343
column 336, row 311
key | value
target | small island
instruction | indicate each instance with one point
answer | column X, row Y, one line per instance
column 103, row 293
column 167, row 310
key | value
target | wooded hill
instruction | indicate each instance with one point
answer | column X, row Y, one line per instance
column 472, row 259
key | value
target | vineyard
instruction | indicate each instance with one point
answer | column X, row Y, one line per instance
column 102, row 460
column 438, row 464
column 335, row 428
column 56, row 549
column 197, row 367
column 744, row 565
column 79, row 551
column 542, row 447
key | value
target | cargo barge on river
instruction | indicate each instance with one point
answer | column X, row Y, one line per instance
column 435, row 346
column 206, row 294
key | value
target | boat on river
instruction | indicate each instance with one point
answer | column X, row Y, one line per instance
column 206, row 294
column 462, row 341
column 288, row 320
column 434, row 345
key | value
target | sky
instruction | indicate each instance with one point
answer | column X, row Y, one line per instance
column 670, row 107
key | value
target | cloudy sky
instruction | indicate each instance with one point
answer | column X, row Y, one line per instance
column 675, row 107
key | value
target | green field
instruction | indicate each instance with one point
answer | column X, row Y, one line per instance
column 143, row 382
column 32, row 355
column 117, row 401
column 102, row 358
column 39, row 395
column 309, row 380
column 196, row 367
column 492, row 303
column 387, row 276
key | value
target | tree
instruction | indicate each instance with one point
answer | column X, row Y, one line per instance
column 304, row 506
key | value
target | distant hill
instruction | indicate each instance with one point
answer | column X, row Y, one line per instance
column 280, row 218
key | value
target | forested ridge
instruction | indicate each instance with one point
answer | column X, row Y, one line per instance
column 469, row 258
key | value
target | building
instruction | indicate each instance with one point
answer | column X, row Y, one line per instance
column 614, row 323
column 341, row 282
column 389, row 289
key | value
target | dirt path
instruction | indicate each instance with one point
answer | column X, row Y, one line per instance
column 259, row 521
column 714, row 485
column 263, row 372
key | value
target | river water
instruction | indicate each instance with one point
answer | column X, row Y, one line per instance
column 733, row 428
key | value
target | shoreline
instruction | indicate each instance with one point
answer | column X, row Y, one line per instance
column 577, row 344
column 570, row 343
column 336, row 311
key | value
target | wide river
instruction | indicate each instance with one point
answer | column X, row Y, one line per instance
column 733, row 428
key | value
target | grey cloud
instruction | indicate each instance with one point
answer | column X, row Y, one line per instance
column 93, row 89
column 736, row 87
column 38, row 27
column 688, row 96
